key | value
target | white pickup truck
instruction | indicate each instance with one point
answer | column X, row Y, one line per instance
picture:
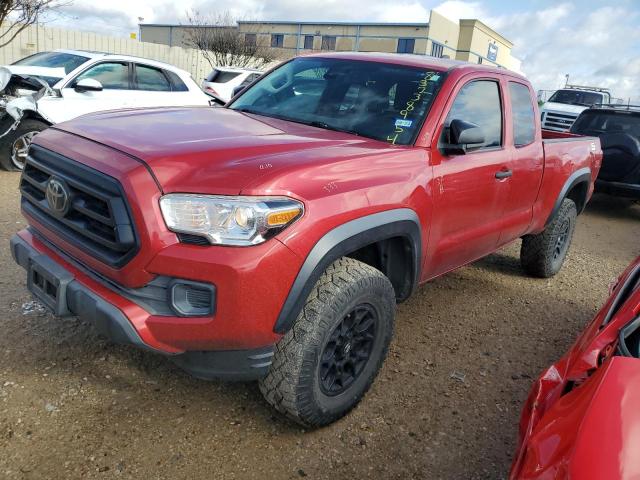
column 564, row 106
column 53, row 87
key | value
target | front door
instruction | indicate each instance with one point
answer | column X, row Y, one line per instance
column 470, row 188
column 115, row 80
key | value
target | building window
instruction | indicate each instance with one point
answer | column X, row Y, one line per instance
column 250, row 39
column 277, row 40
column 492, row 52
column 436, row 50
column 406, row 45
column 308, row 42
column 328, row 42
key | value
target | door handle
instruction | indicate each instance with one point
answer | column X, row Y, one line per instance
column 502, row 174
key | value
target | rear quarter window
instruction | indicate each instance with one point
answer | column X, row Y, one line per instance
column 151, row 79
column 177, row 85
column 523, row 116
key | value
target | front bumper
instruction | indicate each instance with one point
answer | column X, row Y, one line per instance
column 620, row 189
column 80, row 300
column 79, row 295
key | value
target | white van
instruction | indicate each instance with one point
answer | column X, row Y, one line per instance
column 564, row 106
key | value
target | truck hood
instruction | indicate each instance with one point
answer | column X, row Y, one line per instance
column 563, row 108
column 214, row 150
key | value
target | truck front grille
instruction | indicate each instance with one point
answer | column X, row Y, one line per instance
column 558, row 121
column 81, row 205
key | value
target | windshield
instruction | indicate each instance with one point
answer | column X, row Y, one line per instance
column 596, row 123
column 576, row 97
column 375, row 100
column 67, row 61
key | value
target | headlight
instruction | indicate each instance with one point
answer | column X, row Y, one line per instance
column 229, row 220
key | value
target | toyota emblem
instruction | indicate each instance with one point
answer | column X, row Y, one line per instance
column 58, row 197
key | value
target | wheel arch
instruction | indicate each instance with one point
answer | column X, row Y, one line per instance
column 389, row 241
column 575, row 188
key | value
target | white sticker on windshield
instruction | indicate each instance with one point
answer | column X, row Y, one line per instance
column 434, row 78
column 401, row 122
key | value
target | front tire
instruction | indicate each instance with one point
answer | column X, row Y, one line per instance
column 542, row 255
column 328, row 360
column 15, row 145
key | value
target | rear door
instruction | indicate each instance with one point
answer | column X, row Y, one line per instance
column 526, row 162
column 157, row 87
column 469, row 198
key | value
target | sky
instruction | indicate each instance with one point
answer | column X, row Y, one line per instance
column 595, row 43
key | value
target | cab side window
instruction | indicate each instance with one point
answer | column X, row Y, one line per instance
column 524, row 125
column 112, row 75
column 479, row 102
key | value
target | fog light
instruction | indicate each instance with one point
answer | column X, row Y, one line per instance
column 192, row 299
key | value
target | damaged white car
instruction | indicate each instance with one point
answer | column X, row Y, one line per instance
column 53, row 87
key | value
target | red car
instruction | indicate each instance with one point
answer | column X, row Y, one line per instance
column 270, row 239
column 582, row 417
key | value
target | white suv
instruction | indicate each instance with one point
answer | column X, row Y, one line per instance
column 222, row 81
column 52, row 87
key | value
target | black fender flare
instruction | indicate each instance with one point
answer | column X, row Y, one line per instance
column 342, row 240
column 579, row 176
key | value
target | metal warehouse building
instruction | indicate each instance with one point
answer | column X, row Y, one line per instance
column 468, row 40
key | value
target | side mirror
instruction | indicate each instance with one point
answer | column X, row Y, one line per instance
column 88, row 85
column 461, row 135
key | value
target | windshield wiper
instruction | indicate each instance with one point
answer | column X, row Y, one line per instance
column 312, row 123
column 247, row 110
column 264, row 114
column 326, row 126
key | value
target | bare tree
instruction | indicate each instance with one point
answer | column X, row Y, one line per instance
column 16, row 15
column 222, row 44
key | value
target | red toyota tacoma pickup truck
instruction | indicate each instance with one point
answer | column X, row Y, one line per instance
column 271, row 239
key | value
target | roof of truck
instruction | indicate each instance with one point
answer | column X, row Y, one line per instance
column 443, row 64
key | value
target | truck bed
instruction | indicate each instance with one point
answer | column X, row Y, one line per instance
column 554, row 135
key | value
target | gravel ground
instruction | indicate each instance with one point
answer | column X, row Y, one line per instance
column 445, row 405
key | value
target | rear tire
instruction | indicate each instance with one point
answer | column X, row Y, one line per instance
column 325, row 364
column 542, row 255
column 14, row 146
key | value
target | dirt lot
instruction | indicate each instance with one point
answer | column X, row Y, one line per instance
column 445, row 405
